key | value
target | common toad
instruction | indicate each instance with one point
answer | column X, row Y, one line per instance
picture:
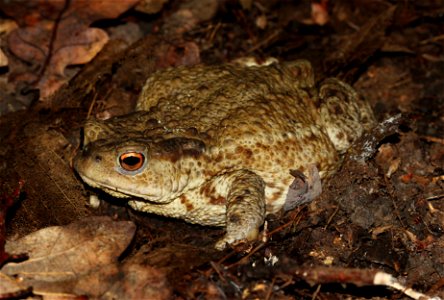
column 214, row 145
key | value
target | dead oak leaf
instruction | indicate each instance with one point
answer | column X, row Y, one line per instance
column 60, row 256
column 125, row 281
column 303, row 189
column 53, row 35
column 10, row 288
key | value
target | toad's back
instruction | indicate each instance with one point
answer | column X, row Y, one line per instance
column 266, row 118
column 206, row 97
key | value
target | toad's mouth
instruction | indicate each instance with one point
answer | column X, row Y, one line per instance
column 118, row 192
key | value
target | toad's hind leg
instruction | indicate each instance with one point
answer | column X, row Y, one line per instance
column 344, row 113
column 245, row 208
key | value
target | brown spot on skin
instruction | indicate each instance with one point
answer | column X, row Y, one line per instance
column 229, row 156
column 336, row 109
column 173, row 149
column 202, row 88
column 248, row 153
column 219, row 200
column 184, row 200
column 189, row 206
column 262, row 146
column 312, row 137
column 237, row 200
column 204, row 189
column 340, row 135
column 209, row 173
column 207, row 190
column 218, row 158
column 234, row 219
column 170, row 156
column 192, row 131
column 244, row 151
column 271, row 185
column 275, row 196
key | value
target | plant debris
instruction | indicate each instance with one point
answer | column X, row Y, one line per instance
column 374, row 232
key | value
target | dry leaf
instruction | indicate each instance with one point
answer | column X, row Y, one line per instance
column 388, row 159
column 246, row 4
column 261, row 21
column 3, row 59
column 55, row 34
column 9, row 286
column 303, row 189
column 60, row 256
column 130, row 281
column 150, row 6
column 319, row 13
column 6, row 26
column 189, row 14
column 184, row 54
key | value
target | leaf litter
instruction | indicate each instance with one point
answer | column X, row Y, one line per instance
column 381, row 213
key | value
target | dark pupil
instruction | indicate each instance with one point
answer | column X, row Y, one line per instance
column 131, row 160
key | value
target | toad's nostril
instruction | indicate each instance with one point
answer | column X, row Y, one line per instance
column 86, row 150
column 98, row 158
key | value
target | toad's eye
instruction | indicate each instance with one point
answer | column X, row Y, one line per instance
column 131, row 161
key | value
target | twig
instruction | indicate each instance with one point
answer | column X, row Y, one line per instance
column 331, row 217
column 394, row 198
column 432, row 139
column 53, row 39
column 358, row 277
column 245, row 258
column 291, row 222
column 91, row 106
column 270, row 289
column 217, row 269
column 315, row 294
column 435, row 197
column 265, row 41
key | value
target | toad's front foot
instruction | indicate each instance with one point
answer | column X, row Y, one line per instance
column 236, row 238
column 245, row 208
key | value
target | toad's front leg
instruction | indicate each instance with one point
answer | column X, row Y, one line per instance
column 245, row 207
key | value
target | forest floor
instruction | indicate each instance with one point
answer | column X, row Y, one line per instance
column 384, row 213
